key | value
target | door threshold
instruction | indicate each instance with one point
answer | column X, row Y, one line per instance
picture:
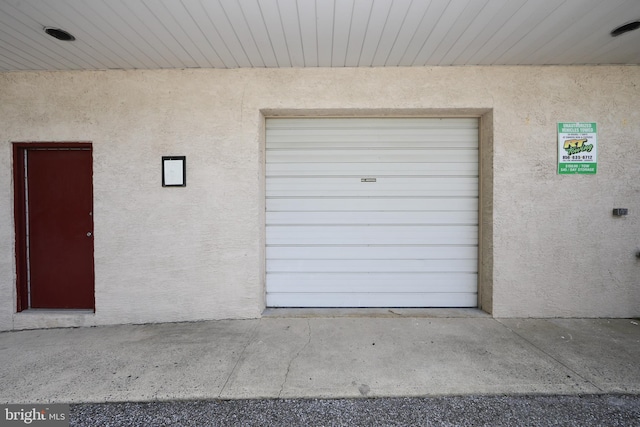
column 44, row 318
column 375, row 312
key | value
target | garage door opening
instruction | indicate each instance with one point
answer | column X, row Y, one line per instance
column 372, row 212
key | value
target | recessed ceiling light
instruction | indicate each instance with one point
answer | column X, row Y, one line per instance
column 625, row 28
column 59, row 34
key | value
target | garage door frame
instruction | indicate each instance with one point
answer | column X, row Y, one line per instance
column 485, row 179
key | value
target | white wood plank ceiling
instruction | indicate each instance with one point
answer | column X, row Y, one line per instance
column 151, row 34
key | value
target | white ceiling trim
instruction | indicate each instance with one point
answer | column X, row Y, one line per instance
column 157, row 34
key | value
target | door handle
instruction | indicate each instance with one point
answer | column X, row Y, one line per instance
column 89, row 234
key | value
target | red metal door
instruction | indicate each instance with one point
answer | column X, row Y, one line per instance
column 59, row 199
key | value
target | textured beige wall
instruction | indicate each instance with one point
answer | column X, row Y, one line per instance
column 171, row 254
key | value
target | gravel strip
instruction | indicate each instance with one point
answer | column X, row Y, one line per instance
column 586, row 410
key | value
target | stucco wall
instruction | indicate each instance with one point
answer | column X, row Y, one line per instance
column 172, row 254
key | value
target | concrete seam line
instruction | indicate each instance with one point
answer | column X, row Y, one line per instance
column 550, row 356
column 254, row 332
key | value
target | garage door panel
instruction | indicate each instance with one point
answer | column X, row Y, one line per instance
column 391, row 204
column 313, row 125
column 381, row 235
column 469, row 252
column 372, row 266
column 373, row 138
column 414, row 187
column 375, row 156
column 371, row 192
column 370, row 218
column 337, row 300
column 371, row 169
column 379, row 283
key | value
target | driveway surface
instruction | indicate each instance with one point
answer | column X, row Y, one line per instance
column 398, row 369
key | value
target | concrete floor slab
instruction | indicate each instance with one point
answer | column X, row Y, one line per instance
column 604, row 352
column 319, row 357
column 413, row 357
column 121, row 363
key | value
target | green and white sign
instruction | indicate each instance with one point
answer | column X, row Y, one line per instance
column 577, row 148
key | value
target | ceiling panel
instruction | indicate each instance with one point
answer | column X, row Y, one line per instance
column 423, row 33
column 406, row 31
column 343, row 13
column 394, row 20
column 517, row 29
column 358, row 32
column 288, row 13
column 447, row 23
column 463, row 18
column 584, row 36
column 173, row 16
column 152, row 34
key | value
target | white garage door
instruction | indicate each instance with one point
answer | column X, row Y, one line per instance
column 372, row 212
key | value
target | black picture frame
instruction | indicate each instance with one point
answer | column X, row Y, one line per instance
column 174, row 171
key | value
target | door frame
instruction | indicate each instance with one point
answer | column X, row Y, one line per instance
column 20, row 213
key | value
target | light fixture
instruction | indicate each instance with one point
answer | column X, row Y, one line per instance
column 59, row 34
column 625, row 28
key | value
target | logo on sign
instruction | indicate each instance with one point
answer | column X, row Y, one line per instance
column 575, row 146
